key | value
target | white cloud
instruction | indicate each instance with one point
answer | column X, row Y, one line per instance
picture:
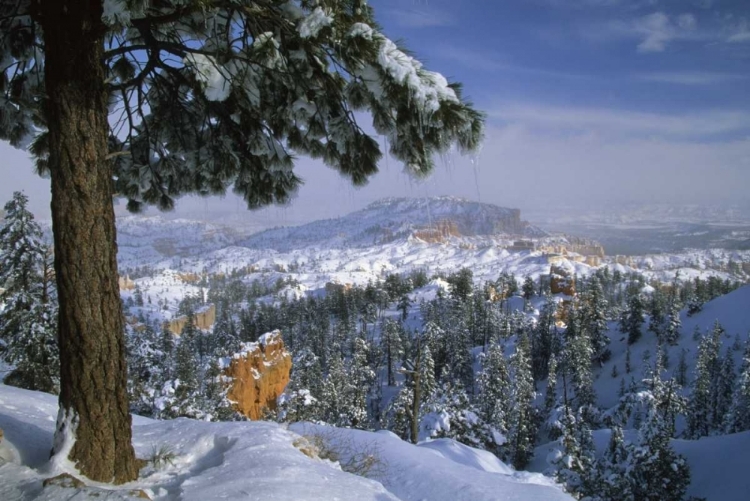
column 740, row 32
column 478, row 60
column 690, row 77
column 625, row 124
column 420, row 18
column 658, row 29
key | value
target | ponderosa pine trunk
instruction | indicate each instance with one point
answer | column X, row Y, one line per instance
column 92, row 349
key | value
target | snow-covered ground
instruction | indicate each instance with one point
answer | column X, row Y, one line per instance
column 257, row 461
column 381, row 239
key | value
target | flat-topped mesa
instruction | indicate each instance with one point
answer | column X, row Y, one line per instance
column 259, row 372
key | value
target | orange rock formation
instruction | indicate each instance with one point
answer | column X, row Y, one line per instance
column 260, row 372
column 204, row 320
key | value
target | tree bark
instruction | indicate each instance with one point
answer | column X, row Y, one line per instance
column 93, row 373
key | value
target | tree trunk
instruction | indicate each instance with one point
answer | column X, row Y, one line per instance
column 93, row 375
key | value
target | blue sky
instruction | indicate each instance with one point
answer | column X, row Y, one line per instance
column 589, row 102
column 659, row 58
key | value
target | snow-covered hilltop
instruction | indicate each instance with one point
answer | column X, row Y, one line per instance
column 399, row 218
column 396, row 235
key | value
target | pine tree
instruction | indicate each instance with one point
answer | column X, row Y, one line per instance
column 361, row 378
column 186, row 384
column 657, row 472
column 631, row 320
column 391, row 343
column 577, row 362
column 301, row 398
column 335, row 394
column 656, row 313
column 293, row 83
column 214, row 402
column 576, row 464
column 593, row 319
column 682, row 368
column 673, row 323
column 28, row 321
column 542, row 341
column 550, row 395
column 738, row 417
column 523, row 414
column 724, row 391
column 528, row 288
column 703, row 399
column 226, row 339
column 615, row 475
column 494, row 399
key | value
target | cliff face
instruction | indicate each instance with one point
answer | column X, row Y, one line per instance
column 260, row 372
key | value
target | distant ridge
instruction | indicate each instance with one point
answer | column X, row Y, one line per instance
column 391, row 219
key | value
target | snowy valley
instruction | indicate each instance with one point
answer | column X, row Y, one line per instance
column 498, row 306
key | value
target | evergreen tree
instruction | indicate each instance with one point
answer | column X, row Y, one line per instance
column 523, row 413
column 494, row 399
column 206, row 96
column 186, row 398
column 528, row 288
column 542, row 341
column 615, row 475
column 682, row 368
column 301, row 398
column 28, row 320
column 656, row 311
column 361, row 378
column 673, row 322
column 576, row 463
column 703, row 399
column 593, row 319
column 550, row 395
column 335, row 394
column 738, row 417
column 577, row 362
column 226, row 339
column 391, row 344
column 632, row 319
column 724, row 391
column 215, row 404
column 657, row 472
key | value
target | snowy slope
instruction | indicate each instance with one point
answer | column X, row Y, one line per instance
column 718, row 471
column 143, row 240
column 445, row 469
column 257, row 461
column 718, row 465
column 733, row 312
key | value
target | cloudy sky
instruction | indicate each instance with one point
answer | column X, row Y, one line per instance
column 589, row 102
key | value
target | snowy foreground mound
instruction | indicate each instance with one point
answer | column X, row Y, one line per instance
column 258, row 461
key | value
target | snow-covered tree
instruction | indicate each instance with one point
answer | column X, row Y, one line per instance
column 577, row 356
column 494, row 386
column 614, row 469
column 523, row 417
column 631, row 320
column 204, row 96
column 738, row 417
column 593, row 319
column 301, row 398
column 28, row 320
column 700, row 418
column 673, row 322
column 391, row 344
column 656, row 471
column 576, row 462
